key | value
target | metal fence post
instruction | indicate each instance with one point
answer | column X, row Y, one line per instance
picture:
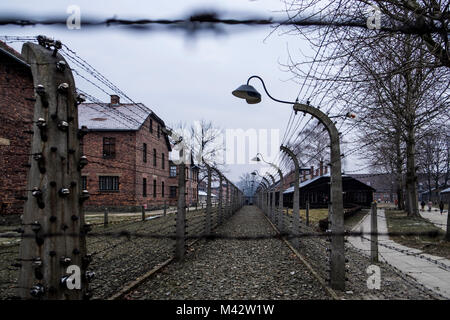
column 374, row 233
column 54, row 229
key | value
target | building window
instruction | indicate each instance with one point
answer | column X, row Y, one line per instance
column 173, row 192
column 154, row 157
column 159, row 131
column 173, row 171
column 109, row 148
column 154, row 188
column 84, row 183
column 162, row 189
column 151, row 126
column 163, row 161
column 144, row 187
column 144, row 152
column 108, row 183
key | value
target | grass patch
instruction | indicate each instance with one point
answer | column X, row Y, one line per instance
column 353, row 220
column 314, row 215
column 398, row 221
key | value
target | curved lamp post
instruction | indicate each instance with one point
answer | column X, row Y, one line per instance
column 280, row 198
column 266, row 198
column 337, row 268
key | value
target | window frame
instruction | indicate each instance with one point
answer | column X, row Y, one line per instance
column 115, row 182
column 144, row 152
column 109, row 148
column 144, row 187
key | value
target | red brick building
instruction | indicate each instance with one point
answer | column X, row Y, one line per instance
column 16, row 116
column 128, row 154
column 191, row 175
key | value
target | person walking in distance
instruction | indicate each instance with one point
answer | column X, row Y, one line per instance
column 423, row 205
column 441, row 206
column 430, row 204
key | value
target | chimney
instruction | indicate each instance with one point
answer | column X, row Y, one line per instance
column 115, row 100
column 312, row 172
column 321, row 168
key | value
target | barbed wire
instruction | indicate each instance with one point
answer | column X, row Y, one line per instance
column 209, row 21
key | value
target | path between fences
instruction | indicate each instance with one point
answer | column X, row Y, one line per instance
column 236, row 269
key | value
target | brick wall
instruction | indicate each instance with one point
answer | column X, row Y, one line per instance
column 16, row 115
column 129, row 165
column 122, row 165
column 191, row 186
column 158, row 173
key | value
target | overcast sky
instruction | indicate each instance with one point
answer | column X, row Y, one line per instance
column 181, row 78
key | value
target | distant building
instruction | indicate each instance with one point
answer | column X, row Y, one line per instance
column 383, row 183
column 191, row 174
column 317, row 192
column 128, row 154
column 16, row 116
column 445, row 195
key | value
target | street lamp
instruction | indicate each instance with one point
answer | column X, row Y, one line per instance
column 280, row 197
column 337, row 268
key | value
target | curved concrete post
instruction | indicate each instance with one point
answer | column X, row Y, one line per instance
column 296, row 199
column 337, row 268
column 53, row 217
column 266, row 200
column 220, row 208
column 280, row 214
column 208, row 202
column 272, row 207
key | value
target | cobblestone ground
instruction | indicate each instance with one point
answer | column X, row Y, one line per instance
column 236, row 269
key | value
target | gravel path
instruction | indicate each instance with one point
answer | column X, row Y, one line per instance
column 394, row 285
column 236, row 269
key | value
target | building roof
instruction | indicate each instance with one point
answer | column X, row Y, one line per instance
column 103, row 116
column 382, row 182
column 327, row 177
column 11, row 53
column 123, row 117
column 203, row 193
column 446, row 190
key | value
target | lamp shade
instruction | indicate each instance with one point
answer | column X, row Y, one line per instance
column 248, row 93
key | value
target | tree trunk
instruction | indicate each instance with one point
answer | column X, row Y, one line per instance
column 411, row 175
column 399, row 173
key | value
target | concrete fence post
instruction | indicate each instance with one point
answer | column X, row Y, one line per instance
column 220, row 198
column 296, row 200
column 307, row 212
column 373, row 233
column 337, row 277
column 105, row 218
column 208, row 203
column 447, row 234
column 180, row 228
column 54, row 229
column 165, row 208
